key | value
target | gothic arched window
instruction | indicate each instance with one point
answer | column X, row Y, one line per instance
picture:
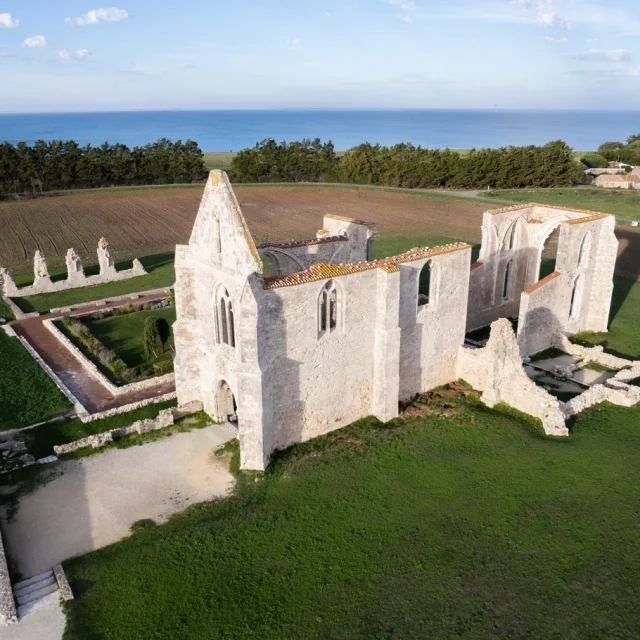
column 585, row 249
column 506, row 288
column 425, row 295
column 225, row 328
column 576, row 298
column 328, row 309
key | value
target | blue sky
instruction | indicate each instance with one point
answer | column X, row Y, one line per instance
column 68, row 55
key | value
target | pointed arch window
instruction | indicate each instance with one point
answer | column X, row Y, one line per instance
column 576, row 298
column 506, row 286
column 225, row 327
column 511, row 239
column 425, row 285
column 328, row 309
column 585, row 250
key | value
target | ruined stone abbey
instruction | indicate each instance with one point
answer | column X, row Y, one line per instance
column 331, row 335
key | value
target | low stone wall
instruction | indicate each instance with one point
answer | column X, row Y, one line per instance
column 612, row 390
column 592, row 354
column 77, row 405
column 129, row 407
column 497, row 371
column 76, row 277
column 128, row 298
column 17, row 311
column 92, row 369
column 63, row 583
column 8, row 613
column 165, row 418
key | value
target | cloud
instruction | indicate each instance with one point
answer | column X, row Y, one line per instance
column 551, row 40
column 7, row 22
column 604, row 55
column 327, row 14
column 410, row 5
column 634, row 71
column 296, row 41
column 407, row 19
column 36, row 41
column 547, row 16
column 96, row 15
column 67, row 55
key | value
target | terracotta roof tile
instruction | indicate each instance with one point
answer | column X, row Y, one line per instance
column 476, row 265
column 541, row 283
column 388, row 265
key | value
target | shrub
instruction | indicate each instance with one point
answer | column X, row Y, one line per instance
column 594, row 160
column 118, row 367
column 151, row 336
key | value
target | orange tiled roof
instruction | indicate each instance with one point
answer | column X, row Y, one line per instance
column 389, row 265
column 541, row 283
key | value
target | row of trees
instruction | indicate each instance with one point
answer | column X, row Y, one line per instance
column 47, row 166
column 405, row 165
column 627, row 152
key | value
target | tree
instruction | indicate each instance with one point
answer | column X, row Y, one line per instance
column 594, row 160
column 151, row 337
column 164, row 332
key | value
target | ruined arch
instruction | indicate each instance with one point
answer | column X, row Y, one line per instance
column 426, row 284
column 226, row 405
column 280, row 258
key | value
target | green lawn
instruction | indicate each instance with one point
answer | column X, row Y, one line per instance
column 40, row 440
column 161, row 274
column 5, row 312
column 621, row 203
column 27, row 394
column 624, row 326
column 218, row 160
column 123, row 334
column 471, row 525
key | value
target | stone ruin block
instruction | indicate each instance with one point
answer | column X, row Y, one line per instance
column 40, row 271
column 105, row 258
column 75, row 272
column 8, row 287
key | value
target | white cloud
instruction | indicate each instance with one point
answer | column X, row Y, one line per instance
column 410, row 5
column 604, row 55
column 551, row 40
column 547, row 16
column 67, row 55
column 296, row 41
column 592, row 41
column 407, row 19
column 7, row 22
column 96, row 15
column 327, row 14
column 634, row 71
column 36, row 41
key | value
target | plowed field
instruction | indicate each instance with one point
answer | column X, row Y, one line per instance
column 143, row 222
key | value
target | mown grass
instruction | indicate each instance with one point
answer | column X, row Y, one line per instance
column 27, row 394
column 161, row 274
column 468, row 524
column 624, row 325
column 218, row 160
column 5, row 311
column 617, row 201
column 41, row 440
column 124, row 335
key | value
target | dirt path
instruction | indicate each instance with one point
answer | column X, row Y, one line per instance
column 97, row 499
column 91, row 394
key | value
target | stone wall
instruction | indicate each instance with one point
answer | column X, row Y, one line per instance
column 164, row 419
column 128, row 407
column 8, row 614
column 75, row 274
column 93, row 370
column 497, row 371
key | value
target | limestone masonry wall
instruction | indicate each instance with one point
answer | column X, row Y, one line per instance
column 330, row 335
column 8, row 614
column 75, row 274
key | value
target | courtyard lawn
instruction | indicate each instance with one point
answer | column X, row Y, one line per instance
column 623, row 338
column 27, row 394
column 5, row 311
column 466, row 525
column 161, row 274
column 617, row 201
column 123, row 334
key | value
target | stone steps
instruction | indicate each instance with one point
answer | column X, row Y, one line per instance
column 36, row 593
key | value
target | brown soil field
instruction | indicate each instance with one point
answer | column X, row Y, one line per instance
column 143, row 222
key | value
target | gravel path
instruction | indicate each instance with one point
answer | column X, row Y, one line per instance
column 97, row 499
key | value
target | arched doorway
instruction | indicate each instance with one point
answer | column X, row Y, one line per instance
column 227, row 407
column 549, row 254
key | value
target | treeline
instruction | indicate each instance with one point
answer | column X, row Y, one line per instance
column 49, row 166
column 627, row 152
column 405, row 165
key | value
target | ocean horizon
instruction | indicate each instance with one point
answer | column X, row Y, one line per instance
column 233, row 130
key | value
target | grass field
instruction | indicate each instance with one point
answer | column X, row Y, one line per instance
column 5, row 312
column 466, row 525
column 123, row 334
column 27, row 394
column 218, row 160
column 617, row 201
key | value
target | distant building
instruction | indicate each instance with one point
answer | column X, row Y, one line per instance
column 626, row 181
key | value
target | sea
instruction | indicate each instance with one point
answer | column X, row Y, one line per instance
column 235, row 130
